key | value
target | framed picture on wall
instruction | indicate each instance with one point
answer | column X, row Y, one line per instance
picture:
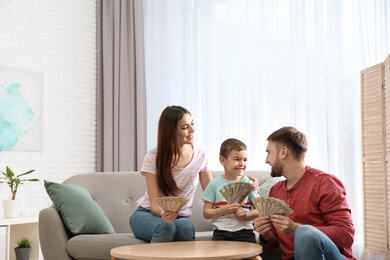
column 21, row 109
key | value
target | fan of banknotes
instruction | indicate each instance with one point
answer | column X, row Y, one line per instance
column 268, row 206
column 173, row 204
column 236, row 192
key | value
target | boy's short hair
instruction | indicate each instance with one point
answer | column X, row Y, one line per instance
column 229, row 145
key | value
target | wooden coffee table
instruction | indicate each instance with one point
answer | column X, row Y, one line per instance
column 189, row 250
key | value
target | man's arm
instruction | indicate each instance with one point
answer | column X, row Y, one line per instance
column 336, row 213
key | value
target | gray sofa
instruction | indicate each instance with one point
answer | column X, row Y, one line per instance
column 116, row 193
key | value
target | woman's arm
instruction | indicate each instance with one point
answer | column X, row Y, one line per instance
column 205, row 178
column 154, row 192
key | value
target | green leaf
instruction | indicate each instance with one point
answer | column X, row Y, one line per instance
column 14, row 181
column 22, row 174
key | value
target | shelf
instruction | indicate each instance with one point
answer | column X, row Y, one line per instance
column 17, row 227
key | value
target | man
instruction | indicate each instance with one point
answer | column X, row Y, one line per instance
column 321, row 225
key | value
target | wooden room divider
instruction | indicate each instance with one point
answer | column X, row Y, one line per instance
column 375, row 115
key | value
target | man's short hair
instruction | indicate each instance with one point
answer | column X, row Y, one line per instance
column 293, row 139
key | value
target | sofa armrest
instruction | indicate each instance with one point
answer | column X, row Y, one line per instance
column 53, row 235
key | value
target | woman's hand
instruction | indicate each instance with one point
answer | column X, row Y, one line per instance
column 169, row 216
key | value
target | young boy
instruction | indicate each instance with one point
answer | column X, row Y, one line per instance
column 231, row 222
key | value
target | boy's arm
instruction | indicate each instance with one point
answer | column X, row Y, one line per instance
column 254, row 213
column 250, row 215
column 209, row 212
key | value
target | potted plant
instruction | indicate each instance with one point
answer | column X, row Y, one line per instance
column 23, row 248
column 13, row 181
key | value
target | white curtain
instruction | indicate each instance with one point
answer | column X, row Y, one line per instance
column 245, row 68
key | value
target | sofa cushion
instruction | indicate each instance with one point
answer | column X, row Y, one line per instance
column 266, row 186
column 79, row 212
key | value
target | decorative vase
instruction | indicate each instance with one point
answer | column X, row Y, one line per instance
column 11, row 208
column 22, row 253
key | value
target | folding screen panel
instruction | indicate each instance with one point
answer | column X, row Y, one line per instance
column 386, row 89
column 375, row 105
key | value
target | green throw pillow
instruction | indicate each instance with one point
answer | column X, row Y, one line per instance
column 79, row 212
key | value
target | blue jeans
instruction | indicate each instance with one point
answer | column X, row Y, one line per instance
column 312, row 244
column 153, row 229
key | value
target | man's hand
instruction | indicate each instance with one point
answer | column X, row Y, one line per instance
column 284, row 224
column 263, row 225
column 168, row 216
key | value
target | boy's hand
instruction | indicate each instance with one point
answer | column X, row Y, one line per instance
column 255, row 183
column 230, row 208
column 240, row 213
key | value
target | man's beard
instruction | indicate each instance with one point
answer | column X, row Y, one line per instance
column 277, row 169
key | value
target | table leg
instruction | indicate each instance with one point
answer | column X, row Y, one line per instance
column 256, row 257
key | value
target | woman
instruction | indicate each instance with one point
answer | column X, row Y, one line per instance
column 173, row 168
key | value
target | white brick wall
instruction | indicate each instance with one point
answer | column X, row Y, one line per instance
column 58, row 38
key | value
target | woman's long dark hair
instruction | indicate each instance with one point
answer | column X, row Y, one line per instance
column 168, row 148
